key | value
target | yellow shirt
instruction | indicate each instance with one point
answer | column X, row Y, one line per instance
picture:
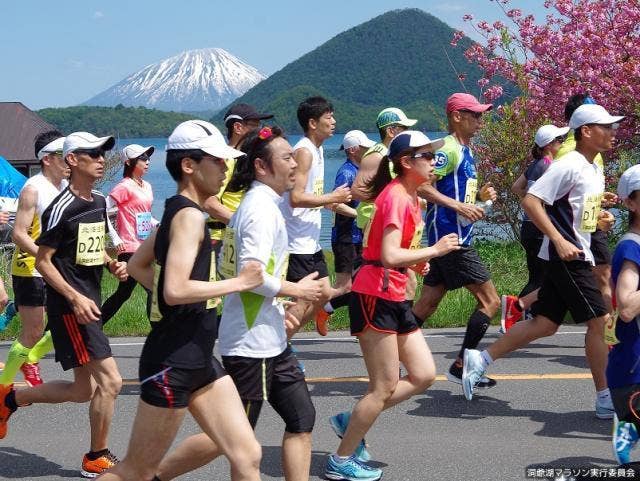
column 569, row 145
column 231, row 200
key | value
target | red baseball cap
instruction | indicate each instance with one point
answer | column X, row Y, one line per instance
column 461, row 101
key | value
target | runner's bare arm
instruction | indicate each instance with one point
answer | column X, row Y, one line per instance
column 343, row 209
column 300, row 198
column 627, row 293
column 392, row 255
column 519, row 187
column 366, row 171
column 431, row 194
column 24, row 217
column 185, row 235
column 217, row 210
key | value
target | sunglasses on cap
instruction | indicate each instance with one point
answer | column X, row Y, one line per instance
column 93, row 153
column 428, row 155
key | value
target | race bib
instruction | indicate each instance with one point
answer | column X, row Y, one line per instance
column 228, row 260
column 90, row 245
column 318, row 187
column 610, row 338
column 417, row 237
column 155, row 315
column 591, row 204
column 367, row 228
column 471, row 191
column 214, row 301
column 143, row 225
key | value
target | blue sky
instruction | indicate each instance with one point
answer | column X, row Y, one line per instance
column 62, row 53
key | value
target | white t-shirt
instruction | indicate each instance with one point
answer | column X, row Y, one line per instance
column 303, row 224
column 573, row 191
column 252, row 323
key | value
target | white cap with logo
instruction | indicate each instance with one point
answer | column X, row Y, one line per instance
column 548, row 133
column 355, row 138
column 86, row 141
column 198, row 134
column 592, row 114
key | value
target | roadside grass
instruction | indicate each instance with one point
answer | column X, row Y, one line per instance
column 505, row 261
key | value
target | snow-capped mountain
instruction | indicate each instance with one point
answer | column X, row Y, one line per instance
column 203, row 79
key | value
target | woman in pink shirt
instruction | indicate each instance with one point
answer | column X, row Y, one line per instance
column 133, row 198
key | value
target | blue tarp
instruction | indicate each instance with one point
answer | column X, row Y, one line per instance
column 11, row 181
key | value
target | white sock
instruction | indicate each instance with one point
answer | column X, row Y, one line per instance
column 340, row 459
column 603, row 395
column 486, row 357
column 328, row 308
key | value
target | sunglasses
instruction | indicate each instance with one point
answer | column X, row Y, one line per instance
column 143, row 157
column 424, row 155
column 475, row 115
column 93, row 153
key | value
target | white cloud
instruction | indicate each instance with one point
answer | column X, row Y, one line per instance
column 98, row 14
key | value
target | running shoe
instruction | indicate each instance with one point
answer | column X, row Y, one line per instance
column 94, row 468
column 604, row 409
column 339, row 424
column 5, row 412
column 31, row 373
column 351, row 469
column 7, row 315
column 455, row 375
column 625, row 437
column 322, row 322
column 473, row 369
column 510, row 314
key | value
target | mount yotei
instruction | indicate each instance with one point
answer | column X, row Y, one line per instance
column 196, row 80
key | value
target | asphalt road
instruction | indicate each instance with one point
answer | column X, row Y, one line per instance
column 540, row 415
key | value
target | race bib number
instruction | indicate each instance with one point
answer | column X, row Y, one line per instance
column 229, row 255
column 610, row 338
column 214, row 301
column 318, row 187
column 367, row 228
column 417, row 237
column 155, row 315
column 471, row 191
column 591, row 204
column 90, row 245
column 143, row 225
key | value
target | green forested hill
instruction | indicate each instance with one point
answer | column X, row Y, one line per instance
column 396, row 59
column 119, row 120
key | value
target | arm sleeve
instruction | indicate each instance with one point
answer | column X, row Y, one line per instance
column 555, row 183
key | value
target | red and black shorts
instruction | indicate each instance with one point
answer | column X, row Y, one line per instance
column 172, row 387
column 77, row 344
column 382, row 315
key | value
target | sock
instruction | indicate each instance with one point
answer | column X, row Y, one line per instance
column 486, row 357
column 93, row 455
column 476, row 327
column 340, row 301
column 18, row 355
column 328, row 307
column 603, row 395
column 339, row 459
column 10, row 401
column 42, row 347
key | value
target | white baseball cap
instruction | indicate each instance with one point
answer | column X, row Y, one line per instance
column 199, row 134
column 547, row 133
column 592, row 114
column 355, row 138
column 51, row 147
column 133, row 151
column 629, row 182
column 85, row 140
column 411, row 139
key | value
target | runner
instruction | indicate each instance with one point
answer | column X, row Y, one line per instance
column 177, row 368
column 71, row 258
column 239, row 119
column 572, row 191
column 622, row 373
column 133, row 198
column 28, row 286
column 253, row 341
column 452, row 209
column 301, row 205
column 380, row 315
column 547, row 142
column 346, row 236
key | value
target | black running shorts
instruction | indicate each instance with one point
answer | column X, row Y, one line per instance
column 278, row 380
column 624, row 399
column 600, row 248
column 457, row 269
column 569, row 286
column 29, row 291
column 347, row 257
column 381, row 315
column 77, row 344
column 301, row 265
column 172, row 387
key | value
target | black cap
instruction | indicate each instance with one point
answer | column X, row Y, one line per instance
column 241, row 112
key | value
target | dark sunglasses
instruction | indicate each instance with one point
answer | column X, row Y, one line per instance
column 93, row 153
column 560, row 138
column 475, row 115
column 143, row 157
column 424, row 155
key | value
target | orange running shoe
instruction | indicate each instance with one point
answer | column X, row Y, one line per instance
column 93, row 469
column 5, row 412
column 322, row 321
column 31, row 373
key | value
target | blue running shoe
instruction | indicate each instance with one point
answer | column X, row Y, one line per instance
column 339, row 423
column 473, row 369
column 351, row 469
column 7, row 315
column 625, row 437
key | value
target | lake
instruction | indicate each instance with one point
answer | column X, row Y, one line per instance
column 164, row 186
